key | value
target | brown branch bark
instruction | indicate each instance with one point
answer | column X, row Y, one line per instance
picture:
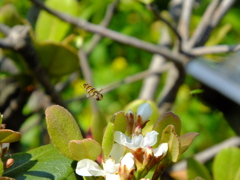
column 178, row 58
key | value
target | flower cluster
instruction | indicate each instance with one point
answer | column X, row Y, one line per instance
column 132, row 155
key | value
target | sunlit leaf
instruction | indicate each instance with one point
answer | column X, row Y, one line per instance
column 84, row 149
column 120, row 122
column 167, row 119
column 9, row 136
column 99, row 124
column 186, row 140
column 197, row 170
column 62, row 128
column 41, row 163
column 226, row 165
column 57, row 59
column 108, row 140
column 169, row 136
column 49, row 27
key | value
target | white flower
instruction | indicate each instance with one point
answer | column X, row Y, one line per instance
column 137, row 141
column 87, row 167
column 128, row 161
column 161, row 150
column 145, row 111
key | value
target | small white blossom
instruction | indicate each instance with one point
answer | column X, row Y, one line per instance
column 161, row 150
column 137, row 141
column 128, row 161
column 145, row 111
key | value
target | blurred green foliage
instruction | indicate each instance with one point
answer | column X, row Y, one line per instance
column 111, row 62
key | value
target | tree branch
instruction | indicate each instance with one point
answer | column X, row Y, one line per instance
column 199, row 51
column 178, row 58
column 105, row 22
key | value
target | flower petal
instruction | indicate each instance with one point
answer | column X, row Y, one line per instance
column 112, row 177
column 128, row 161
column 87, row 167
column 110, row 166
column 145, row 111
column 117, row 152
column 161, row 150
column 149, row 139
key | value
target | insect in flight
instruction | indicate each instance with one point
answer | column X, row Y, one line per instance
column 92, row 92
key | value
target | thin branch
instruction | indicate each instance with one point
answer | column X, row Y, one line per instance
column 178, row 58
column 202, row 26
column 151, row 82
column 128, row 80
column 105, row 22
column 183, row 25
column 199, row 51
column 208, row 154
column 155, row 10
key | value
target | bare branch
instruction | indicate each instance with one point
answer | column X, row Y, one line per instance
column 108, row 16
column 202, row 26
column 199, row 51
column 151, row 82
column 155, row 10
column 208, row 154
column 178, row 58
column 183, row 25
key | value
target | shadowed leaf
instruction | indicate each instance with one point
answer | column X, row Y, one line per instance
column 186, row 140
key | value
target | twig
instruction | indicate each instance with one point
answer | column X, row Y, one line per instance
column 115, row 35
column 151, row 82
column 155, row 10
column 202, row 26
column 207, row 154
column 105, row 22
column 127, row 80
column 199, row 51
column 20, row 41
column 183, row 25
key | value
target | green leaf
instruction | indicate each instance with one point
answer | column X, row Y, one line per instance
column 49, row 27
column 62, row 128
column 1, row 117
column 196, row 169
column 108, row 140
column 9, row 136
column 226, row 165
column 57, row 59
column 84, row 149
column 1, row 167
column 186, row 140
column 41, row 163
column 120, row 122
column 167, row 119
column 169, row 136
column 99, row 124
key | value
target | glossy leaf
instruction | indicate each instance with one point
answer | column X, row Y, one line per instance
column 108, row 140
column 49, row 27
column 62, row 128
column 226, row 165
column 57, row 59
column 99, row 124
column 167, row 119
column 186, row 140
column 41, row 163
column 169, row 136
column 84, row 149
column 197, row 170
column 9, row 136
column 120, row 122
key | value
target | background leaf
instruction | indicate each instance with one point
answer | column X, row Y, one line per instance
column 53, row 58
column 62, row 128
column 51, row 28
column 41, row 163
column 196, row 169
column 226, row 165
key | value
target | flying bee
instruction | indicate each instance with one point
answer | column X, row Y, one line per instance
column 92, row 92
